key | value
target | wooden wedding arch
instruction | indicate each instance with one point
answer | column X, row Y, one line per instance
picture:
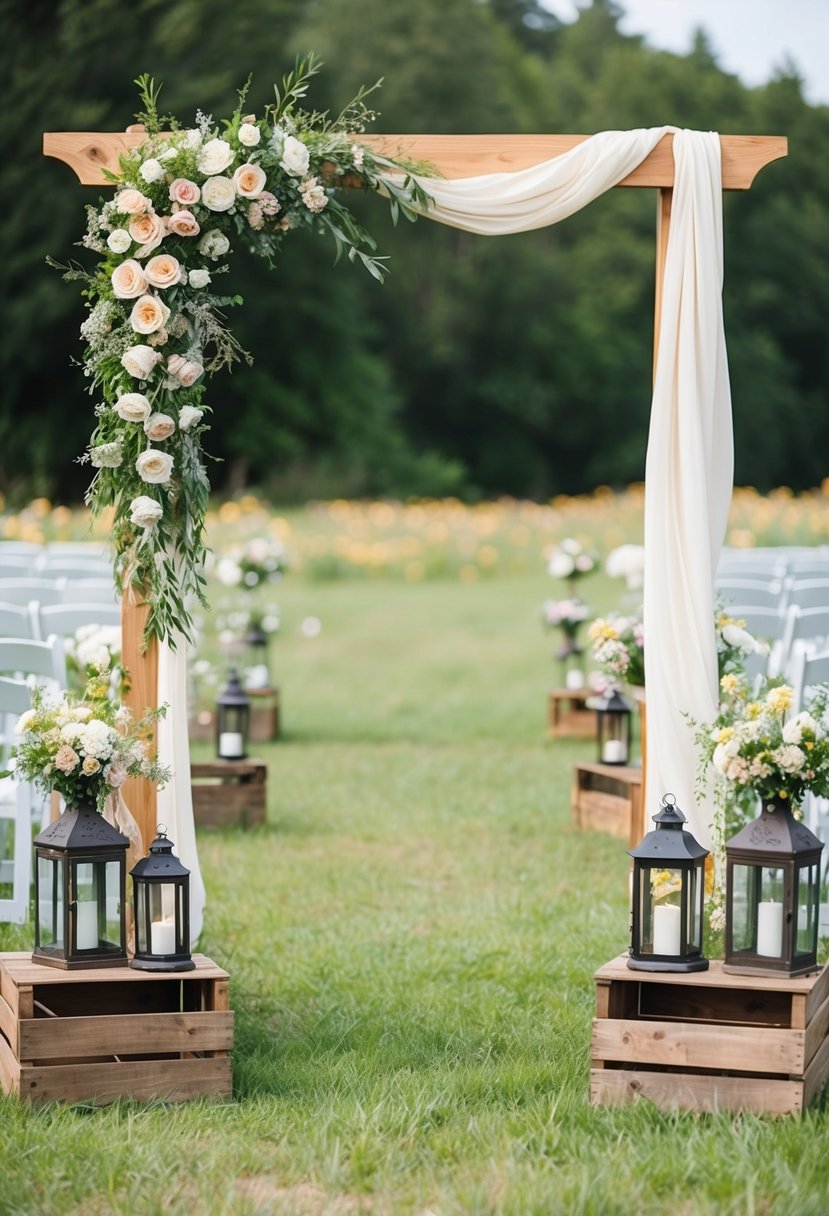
column 453, row 156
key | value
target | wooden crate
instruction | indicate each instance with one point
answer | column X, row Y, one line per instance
column 709, row 1041
column 265, row 720
column 229, row 793
column 608, row 798
column 569, row 716
column 112, row 1032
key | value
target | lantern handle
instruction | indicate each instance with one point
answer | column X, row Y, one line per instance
column 161, row 830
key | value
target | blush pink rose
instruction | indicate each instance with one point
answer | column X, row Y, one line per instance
column 186, row 371
column 159, row 427
column 183, row 191
column 128, row 280
column 183, row 223
column 131, row 202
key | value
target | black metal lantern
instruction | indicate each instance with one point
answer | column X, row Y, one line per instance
column 772, row 895
column 80, row 878
column 232, row 720
column 571, row 665
column 161, row 896
column 257, row 670
column 667, row 896
column 613, row 719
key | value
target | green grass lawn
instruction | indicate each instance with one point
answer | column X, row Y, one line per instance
column 411, row 941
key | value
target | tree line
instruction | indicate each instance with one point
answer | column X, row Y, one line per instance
column 519, row 365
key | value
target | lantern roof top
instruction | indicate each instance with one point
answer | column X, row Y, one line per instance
column 81, row 829
column 668, row 843
column 774, row 832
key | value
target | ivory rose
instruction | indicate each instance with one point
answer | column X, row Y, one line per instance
column 218, row 194
column 131, row 202
column 159, row 427
column 295, row 156
column 128, row 280
column 198, row 278
column 183, row 223
column 119, row 240
column 145, row 512
column 183, row 191
column 133, row 407
column 163, row 270
column 154, row 467
column 148, row 314
column 152, row 170
column 215, row 156
column 249, row 134
column 189, row 415
column 249, row 180
column 214, row 244
column 139, row 361
column 186, row 371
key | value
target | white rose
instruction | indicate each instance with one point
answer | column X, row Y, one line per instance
column 163, row 270
column 169, row 153
column 133, row 407
column 218, row 194
column 249, row 134
column 154, row 467
column 128, row 280
column 214, row 244
column 249, row 180
column 192, row 139
column 139, row 361
column 152, row 170
column 216, row 155
column 107, row 456
column 189, row 415
column 148, row 315
column 119, row 240
column 145, row 511
column 159, row 427
column 198, row 278
column 295, row 156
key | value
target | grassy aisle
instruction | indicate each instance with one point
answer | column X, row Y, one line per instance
column 411, row 940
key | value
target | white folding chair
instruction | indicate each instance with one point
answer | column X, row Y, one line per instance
column 77, row 568
column 764, row 593
column 36, row 662
column 24, row 590
column 17, row 565
column 91, row 590
column 807, row 592
column 807, row 632
column 809, row 670
column 66, row 619
column 765, row 624
column 16, row 621
column 17, row 799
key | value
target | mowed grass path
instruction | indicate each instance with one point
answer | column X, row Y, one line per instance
column 411, row 941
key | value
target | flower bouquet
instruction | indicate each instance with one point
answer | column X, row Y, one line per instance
column 618, row 648
column 84, row 747
column 567, row 615
column 627, row 562
column 259, row 560
column 570, row 560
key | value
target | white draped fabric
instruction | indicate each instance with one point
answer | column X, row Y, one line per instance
column 689, row 458
column 175, row 801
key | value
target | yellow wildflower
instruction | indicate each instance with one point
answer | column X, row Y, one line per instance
column 723, row 734
column 781, row 699
column 754, row 709
column 730, row 683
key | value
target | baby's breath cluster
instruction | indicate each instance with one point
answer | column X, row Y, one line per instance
column 156, row 327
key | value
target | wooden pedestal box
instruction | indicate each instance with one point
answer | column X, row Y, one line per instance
column 709, row 1041
column 608, row 798
column 229, row 793
column 112, row 1032
column 569, row 716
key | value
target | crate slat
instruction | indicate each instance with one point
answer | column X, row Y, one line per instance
column 816, row 1073
column 8, row 1023
column 170, row 1080
column 128, row 1034
column 9, row 1068
column 687, row 1091
column 681, row 1045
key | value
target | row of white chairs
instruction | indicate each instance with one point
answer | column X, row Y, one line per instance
column 779, row 593
column 19, row 559
column 22, row 591
column 37, row 621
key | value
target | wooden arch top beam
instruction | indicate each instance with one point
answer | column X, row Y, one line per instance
column 743, row 156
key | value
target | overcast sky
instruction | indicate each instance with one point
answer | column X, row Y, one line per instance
column 749, row 37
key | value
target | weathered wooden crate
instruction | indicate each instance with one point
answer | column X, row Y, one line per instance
column 709, row 1041
column 265, row 721
column 106, row 1033
column 229, row 793
column 569, row 716
column 608, row 798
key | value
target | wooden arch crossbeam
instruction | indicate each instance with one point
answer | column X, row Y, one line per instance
column 453, row 156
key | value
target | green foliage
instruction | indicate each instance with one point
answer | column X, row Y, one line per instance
column 518, row 365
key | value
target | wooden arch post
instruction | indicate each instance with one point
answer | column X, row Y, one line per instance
column 453, row 156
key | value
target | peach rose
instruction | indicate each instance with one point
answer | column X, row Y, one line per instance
column 183, row 191
column 249, row 180
column 128, row 280
column 159, row 427
column 139, row 361
column 186, row 371
column 131, row 202
column 148, row 314
column 163, row 270
column 149, row 230
column 184, row 223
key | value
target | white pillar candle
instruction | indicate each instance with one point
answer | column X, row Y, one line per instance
column 667, row 923
column 230, row 745
column 613, row 751
column 770, row 929
column 574, row 679
column 86, row 924
column 163, row 937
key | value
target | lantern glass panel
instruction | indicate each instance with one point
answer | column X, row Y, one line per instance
column 693, row 919
column 112, row 880
column 744, row 881
column 85, row 888
column 141, row 943
column 50, row 916
column 807, row 902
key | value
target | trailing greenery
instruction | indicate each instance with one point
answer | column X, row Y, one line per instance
column 411, row 941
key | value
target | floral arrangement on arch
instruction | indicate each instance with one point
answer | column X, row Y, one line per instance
column 156, row 326
column 84, row 747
